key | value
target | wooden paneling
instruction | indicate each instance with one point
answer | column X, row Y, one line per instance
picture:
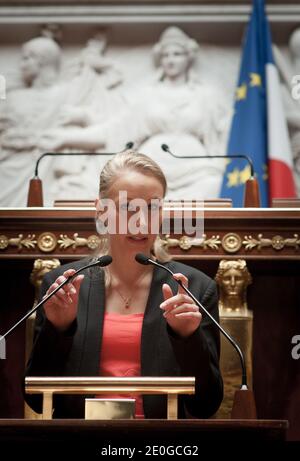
column 273, row 258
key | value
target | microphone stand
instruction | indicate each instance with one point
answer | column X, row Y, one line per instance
column 102, row 261
column 244, row 403
column 251, row 193
column 35, row 191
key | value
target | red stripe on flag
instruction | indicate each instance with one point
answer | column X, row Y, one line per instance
column 281, row 180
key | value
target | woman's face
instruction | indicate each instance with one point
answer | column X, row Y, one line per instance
column 174, row 60
column 137, row 214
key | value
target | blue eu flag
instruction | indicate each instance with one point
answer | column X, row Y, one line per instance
column 248, row 134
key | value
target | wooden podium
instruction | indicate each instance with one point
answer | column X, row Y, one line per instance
column 269, row 240
column 93, row 436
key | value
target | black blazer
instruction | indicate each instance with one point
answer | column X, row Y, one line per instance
column 76, row 352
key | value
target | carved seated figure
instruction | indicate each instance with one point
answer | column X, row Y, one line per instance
column 178, row 109
column 27, row 112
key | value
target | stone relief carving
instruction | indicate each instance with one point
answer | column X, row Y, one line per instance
column 49, row 98
column 178, row 109
column 176, row 92
column 25, row 113
column 93, row 97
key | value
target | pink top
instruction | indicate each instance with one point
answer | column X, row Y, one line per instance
column 121, row 351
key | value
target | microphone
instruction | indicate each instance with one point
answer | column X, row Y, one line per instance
column 102, row 262
column 143, row 259
column 129, row 145
column 166, row 148
column 35, row 192
column 247, row 400
column 251, row 198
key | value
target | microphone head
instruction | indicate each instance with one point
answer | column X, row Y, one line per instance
column 104, row 260
column 165, row 147
column 142, row 259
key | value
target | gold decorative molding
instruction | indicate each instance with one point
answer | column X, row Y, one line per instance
column 47, row 242
column 20, row 242
column 232, row 242
column 277, row 242
column 92, row 242
column 186, row 243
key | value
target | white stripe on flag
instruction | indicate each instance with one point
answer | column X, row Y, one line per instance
column 279, row 147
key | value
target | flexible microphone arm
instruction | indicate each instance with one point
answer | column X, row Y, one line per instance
column 143, row 259
column 35, row 191
column 166, row 148
column 102, row 261
column 129, row 145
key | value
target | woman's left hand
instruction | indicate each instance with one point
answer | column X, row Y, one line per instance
column 180, row 311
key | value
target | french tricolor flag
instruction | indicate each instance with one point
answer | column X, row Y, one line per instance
column 281, row 180
column 280, row 165
column 259, row 127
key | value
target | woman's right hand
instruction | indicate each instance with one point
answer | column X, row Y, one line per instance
column 61, row 309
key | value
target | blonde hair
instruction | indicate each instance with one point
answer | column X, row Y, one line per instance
column 129, row 160
column 121, row 162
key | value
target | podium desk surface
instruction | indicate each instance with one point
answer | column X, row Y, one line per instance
column 140, row 431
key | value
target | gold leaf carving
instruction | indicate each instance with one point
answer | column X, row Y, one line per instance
column 20, row 242
column 91, row 242
column 47, row 242
column 277, row 242
column 186, row 243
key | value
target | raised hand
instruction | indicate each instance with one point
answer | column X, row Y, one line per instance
column 180, row 311
column 61, row 309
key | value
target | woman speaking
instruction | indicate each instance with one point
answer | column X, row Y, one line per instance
column 129, row 319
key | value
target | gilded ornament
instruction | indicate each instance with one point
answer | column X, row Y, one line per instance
column 93, row 242
column 4, row 242
column 47, row 242
column 231, row 242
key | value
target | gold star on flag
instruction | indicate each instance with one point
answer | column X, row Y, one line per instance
column 241, row 92
column 227, row 161
column 233, row 178
column 245, row 174
column 255, row 79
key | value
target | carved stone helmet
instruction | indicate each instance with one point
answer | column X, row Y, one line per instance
column 175, row 35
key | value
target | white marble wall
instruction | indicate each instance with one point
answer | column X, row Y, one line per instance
column 129, row 52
